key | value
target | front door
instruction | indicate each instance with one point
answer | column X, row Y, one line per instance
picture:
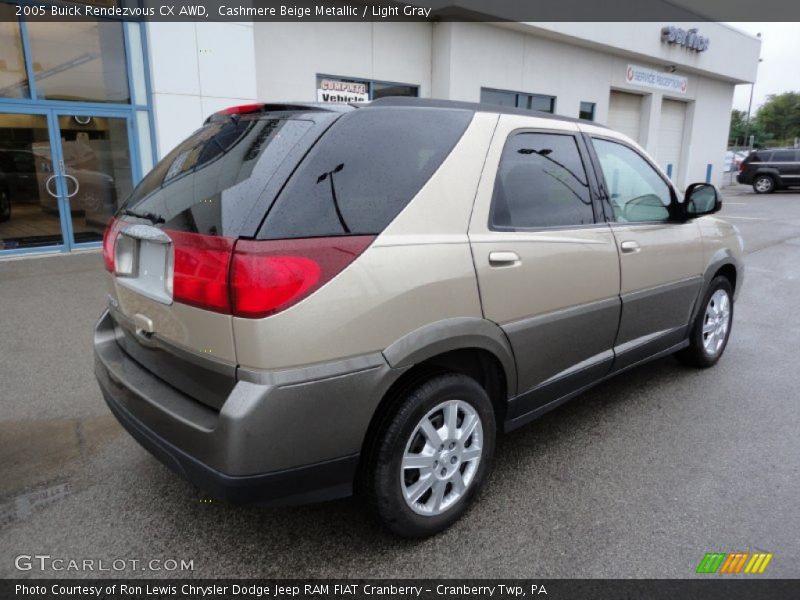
column 660, row 258
column 548, row 271
column 62, row 176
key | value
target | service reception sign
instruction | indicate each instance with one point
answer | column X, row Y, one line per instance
column 658, row 80
column 334, row 90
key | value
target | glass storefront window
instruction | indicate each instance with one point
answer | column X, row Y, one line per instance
column 344, row 89
column 587, row 111
column 538, row 102
column 29, row 214
column 83, row 61
column 380, row 90
column 98, row 163
column 499, row 97
column 13, row 78
column 66, row 168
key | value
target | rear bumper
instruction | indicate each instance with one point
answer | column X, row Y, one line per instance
column 288, row 442
column 312, row 483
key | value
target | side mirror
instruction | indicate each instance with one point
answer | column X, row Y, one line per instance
column 701, row 199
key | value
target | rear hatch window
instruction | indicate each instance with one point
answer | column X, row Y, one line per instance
column 364, row 171
column 211, row 182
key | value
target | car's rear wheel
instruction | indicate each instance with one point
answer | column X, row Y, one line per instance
column 5, row 206
column 764, row 184
column 712, row 326
column 432, row 455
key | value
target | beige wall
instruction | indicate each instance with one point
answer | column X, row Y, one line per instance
column 289, row 56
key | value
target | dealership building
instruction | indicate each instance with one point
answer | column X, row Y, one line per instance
column 86, row 108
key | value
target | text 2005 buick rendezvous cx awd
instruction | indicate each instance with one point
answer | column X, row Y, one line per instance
column 310, row 300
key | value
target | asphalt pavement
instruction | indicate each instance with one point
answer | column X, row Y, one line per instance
column 639, row 477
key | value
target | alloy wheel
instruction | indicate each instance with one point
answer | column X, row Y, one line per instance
column 763, row 184
column 441, row 457
column 716, row 322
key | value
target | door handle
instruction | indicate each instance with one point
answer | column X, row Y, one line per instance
column 75, row 181
column 47, row 186
column 630, row 246
column 503, row 259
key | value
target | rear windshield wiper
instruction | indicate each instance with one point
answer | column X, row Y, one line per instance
column 150, row 216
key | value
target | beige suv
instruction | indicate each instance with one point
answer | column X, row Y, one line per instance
column 307, row 301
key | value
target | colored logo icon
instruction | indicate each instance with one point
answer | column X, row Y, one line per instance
column 734, row 563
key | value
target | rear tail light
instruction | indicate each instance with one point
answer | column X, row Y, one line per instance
column 200, row 270
column 742, row 166
column 269, row 276
column 254, row 279
column 110, row 242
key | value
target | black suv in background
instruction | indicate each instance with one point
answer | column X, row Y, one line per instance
column 770, row 170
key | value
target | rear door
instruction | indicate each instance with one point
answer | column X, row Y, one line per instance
column 661, row 258
column 548, row 271
column 788, row 165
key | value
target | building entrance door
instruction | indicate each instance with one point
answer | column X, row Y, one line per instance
column 63, row 174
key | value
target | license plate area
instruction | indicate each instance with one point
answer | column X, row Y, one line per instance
column 144, row 260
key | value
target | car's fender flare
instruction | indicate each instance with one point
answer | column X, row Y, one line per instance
column 719, row 259
column 771, row 171
column 458, row 333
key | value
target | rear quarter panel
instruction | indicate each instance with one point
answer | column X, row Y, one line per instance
column 418, row 271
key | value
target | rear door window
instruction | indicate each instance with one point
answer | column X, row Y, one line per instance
column 541, row 182
column 784, row 156
column 210, row 183
column 364, row 171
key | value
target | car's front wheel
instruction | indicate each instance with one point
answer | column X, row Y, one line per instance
column 763, row 184
column 431, row 456
column 712, row 326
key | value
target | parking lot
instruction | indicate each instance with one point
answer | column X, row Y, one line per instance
column 639, row 477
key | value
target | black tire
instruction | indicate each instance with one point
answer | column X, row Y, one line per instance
column 696, row 354
column 382, row 486
column 5, row 206
column 766, row 184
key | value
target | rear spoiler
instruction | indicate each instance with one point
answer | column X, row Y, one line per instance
column 263, row 107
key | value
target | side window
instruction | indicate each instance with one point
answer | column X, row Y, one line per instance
column 541, row 182
column 784, row 156
column 364, row 171
column 637, row 191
